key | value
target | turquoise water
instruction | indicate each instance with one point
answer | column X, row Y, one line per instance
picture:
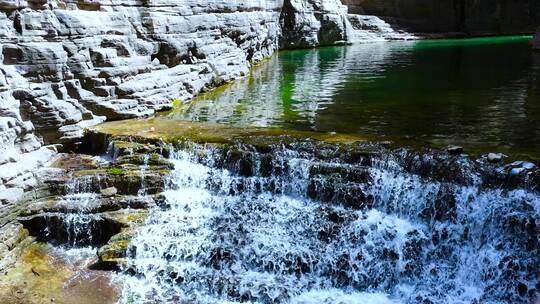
column 483, row 94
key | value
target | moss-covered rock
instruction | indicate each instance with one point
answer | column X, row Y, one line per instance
column 12, row 243
column 156, row 131
column 41, row 276
column 114, row 253
column 152, row 159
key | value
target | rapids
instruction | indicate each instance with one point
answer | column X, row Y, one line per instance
column 308, row 224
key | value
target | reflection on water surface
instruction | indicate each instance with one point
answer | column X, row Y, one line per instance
column 481, row 93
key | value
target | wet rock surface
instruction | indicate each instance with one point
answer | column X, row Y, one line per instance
column 67, row 66
column 43, row 274
column 272, row 221
column 91, row 202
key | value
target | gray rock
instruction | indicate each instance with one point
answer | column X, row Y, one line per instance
column 67, row 66
column 108, row 192
column 516, row 171
column 10, row 195
column 522, row 164
column 372, row 28
column 12, row 237
column 307, row 23
column 451, row 16
column 528, row 166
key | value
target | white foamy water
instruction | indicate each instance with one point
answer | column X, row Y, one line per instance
column 337, row 296
column 232, row 237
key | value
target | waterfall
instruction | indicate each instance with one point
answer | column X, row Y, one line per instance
column 76, row 227
column 304, row 224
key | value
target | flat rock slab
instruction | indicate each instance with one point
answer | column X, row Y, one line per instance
column 164, row 130
column 44, row 275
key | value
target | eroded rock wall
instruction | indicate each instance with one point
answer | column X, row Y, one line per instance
column 536, row 41
column 476, row 17
column 314, row 22
column 67, row 65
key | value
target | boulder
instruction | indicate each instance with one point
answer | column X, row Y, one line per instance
column 308, row 23
column 495, row 157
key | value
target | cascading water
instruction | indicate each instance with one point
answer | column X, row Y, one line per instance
column 76, row 227
column 144, row 168
column 72, row 220
column 293, row 225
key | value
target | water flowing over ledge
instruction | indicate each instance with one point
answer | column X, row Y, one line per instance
column 266, row 216
column 310, row 222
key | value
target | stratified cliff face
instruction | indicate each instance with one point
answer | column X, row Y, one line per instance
column 314, row 22
column 67, row 65
column 472, row 17
column 536, row 41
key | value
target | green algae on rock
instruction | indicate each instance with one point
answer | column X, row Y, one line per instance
column 41, row 275
column 155, row 130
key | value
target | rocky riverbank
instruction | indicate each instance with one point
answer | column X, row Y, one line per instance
column 60, row 242
column 66, row 66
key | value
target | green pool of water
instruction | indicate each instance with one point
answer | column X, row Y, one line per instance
column 483, row 94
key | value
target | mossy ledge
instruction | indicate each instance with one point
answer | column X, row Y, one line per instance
column 158, row 131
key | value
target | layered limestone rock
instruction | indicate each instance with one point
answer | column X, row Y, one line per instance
column 536, row 41
column 314, row 22
column 373, row 28
column 68, row 65
column 459, row 16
